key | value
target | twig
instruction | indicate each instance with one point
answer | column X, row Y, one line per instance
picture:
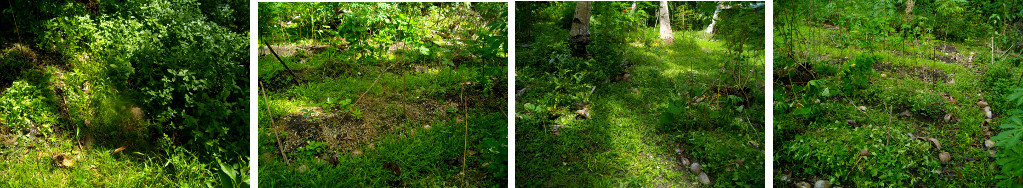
column 267, row 103
column 15, row 18
column 853, row 167
column 374, row 82
column 465, row 138
column 279, row 59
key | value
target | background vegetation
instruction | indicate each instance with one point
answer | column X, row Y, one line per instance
column 132, row 93
column 636, row 111
column 898, row 93
column 383, row 94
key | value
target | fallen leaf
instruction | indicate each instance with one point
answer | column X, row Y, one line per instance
column 119, row 149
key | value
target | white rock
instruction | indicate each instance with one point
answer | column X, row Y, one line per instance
column 802, row 184
column 989, row 143
column 944, row 157
column 822, row 184
column 694, row 168
column 703, row 178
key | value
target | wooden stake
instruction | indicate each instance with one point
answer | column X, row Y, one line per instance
column 265, row 101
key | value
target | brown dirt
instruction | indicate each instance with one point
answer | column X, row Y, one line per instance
column 289, row 50
column 344, row 133
column 901, row 71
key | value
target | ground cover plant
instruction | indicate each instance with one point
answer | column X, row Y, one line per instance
column 898, row 93
column 383, row 94
column 124, row 94
column 637, row 99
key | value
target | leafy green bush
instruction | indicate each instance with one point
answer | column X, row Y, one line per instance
column 13, row 61
column 188, row 73
column 24, row 106
column 1010, row 152
column 856, row 74
column 311, row 149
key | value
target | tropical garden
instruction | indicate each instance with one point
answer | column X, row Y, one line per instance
column 383, row 94
column 124, row 93
column 898, row 93
column 639, row 94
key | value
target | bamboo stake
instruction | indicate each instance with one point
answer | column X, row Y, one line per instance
column 268, row 113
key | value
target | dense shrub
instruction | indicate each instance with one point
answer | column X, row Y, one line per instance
column 188, row 73
column 24, row 106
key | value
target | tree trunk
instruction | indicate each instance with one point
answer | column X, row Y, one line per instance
column 665, row 23
column 580, row 28
column 633, row 9
column 713, row 20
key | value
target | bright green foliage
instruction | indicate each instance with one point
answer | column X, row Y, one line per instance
column 24, row 106
column 856, row 74
column 342, row 106
column 312, row 148
column 645, row 98
column 127, row 71
column 888, row 76
column 417, row 85
column 190, row 74
column 1010, row 154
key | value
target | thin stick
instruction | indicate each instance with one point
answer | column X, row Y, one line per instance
column 16, row 26
column 374, row 82
column 279, row 59
column 265, row 101
column 853, row 167
column 465, row 138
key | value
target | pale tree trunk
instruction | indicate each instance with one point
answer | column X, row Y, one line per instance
column 665, row 23
column 580, row 28
column 633, row 10
column 713, row 20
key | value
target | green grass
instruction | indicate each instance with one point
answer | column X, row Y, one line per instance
column 823, row 145
column 412, row 94
column 623, row 144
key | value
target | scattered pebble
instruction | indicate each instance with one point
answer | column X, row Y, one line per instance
column 695, row 168
column 786, row 177
column 944, row 157
column 862, row 108
column 802, row 184
column 905, row 114
column 703, row 178
column 992, row 152
column 989, row 143
column 584, row 113
column 302, row 169
column 684, row 161
column 822, row 184
column 935, row 142
column 754, row 144
column 427, row 127
column 557, row 129
column 987, row 112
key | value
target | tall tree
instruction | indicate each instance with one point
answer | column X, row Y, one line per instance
column 665, row 23
column 580, row 28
